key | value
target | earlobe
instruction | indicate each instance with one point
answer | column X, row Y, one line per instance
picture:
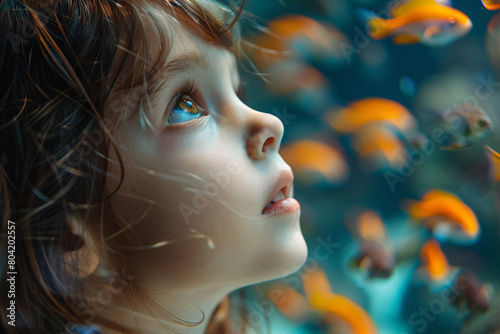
column 80, row 252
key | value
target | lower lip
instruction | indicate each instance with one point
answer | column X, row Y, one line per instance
column 282, row 207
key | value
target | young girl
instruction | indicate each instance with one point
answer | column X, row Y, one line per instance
column 137, row 189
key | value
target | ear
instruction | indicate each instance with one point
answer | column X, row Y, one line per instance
column 81, row 257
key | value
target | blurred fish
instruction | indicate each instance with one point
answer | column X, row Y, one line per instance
column 314, row 161
column 371, row 227
column 436, row 266
column 335, row 308
column 376, row 255
column 494, row 161
column 379, row 147
column 446, row 216
column 290, row 302
column 301, row 83
column 293, row 75
column 284, row 54
column 472, row 291
column 491, row 4
column 299, row 36
column 368, row 111
column 318, row 292
column 464, row 125
column 465, row 284
column 419, row 21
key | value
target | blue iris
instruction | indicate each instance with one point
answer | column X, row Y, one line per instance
column 183, row 111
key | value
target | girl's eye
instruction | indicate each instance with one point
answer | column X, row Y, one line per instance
column 183, row 110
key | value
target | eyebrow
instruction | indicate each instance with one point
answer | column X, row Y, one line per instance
column 180, row 64
column 186, row 62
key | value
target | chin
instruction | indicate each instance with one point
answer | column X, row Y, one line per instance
column 295, row 256
column 285, row 260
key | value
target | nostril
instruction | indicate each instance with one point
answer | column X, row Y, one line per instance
column 267, row 143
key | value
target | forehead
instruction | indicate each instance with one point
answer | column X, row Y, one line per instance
column 191, row 48
column 179, row 45
column 167, row 46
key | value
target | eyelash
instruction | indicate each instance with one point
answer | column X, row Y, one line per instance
column 187, row 89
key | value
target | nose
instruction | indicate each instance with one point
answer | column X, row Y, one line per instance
column 265, row 134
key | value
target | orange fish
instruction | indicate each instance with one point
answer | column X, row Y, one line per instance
column 446, row 216
column 420, row 21
column 491, row 4
column 318, row 292
column 291, row 303
column 293, row 75
column 335, row 308
column 494, row 160
column 371, row 227
column 467, row 285
column 310, row 159
column 376, row 254
column 380, row 147
column 368, row 111
column 436, row 263
column 292, row 34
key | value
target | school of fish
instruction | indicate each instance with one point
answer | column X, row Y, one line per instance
column 374, row 135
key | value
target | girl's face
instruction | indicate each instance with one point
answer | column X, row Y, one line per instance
column 199, row 161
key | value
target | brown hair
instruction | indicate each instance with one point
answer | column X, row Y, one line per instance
column 60, row 62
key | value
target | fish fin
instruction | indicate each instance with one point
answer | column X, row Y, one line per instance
column 494, row 162
column 431, row 31
column 377, row 26
column 463, row 143
column 406, row 39
column 410, row 6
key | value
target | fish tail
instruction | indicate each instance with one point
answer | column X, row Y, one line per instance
column 376, row 26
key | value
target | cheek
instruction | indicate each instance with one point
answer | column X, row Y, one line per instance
column 197, row 189
column 167, row 192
